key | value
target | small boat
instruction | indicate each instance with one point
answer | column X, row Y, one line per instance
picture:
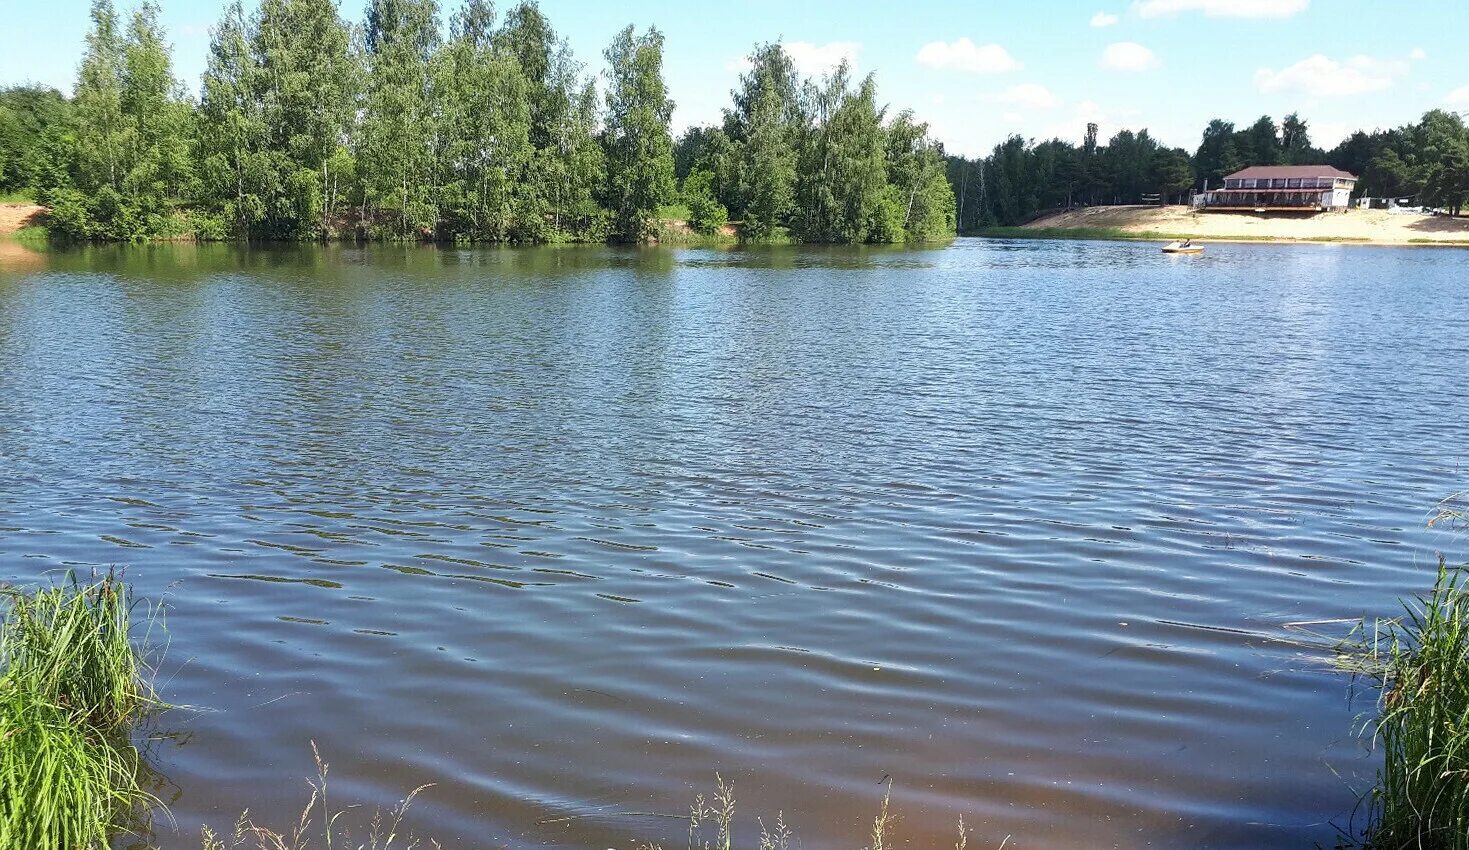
column 1183, row 248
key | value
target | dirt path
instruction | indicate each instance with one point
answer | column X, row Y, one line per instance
column 15, row 216
column 1369, row 226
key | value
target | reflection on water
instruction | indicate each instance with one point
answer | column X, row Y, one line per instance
column 565, row 531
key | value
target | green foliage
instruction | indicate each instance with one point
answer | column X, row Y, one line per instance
column 706, row 214
column 920, row 190
column 1422, row 725
column 27, row 115
column 399, row 121
column 766, row 124
column 497, row 135
column 306, row 84
column 71, row 687
column 639, row 148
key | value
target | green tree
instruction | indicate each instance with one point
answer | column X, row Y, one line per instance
column 1218, row 154
column 235, row 178
column 1260, row 143
column 639, row 148
column 915, row 172
column 706, row 214
column 843, row 184
column 485, row 127
column 157, row 139
column 766, row 122
column 1441, row 142
column 308, row 102
column 1172, row 173
column 27, row 115
column 98, row 104
column 1295, row 142
column 396, row 157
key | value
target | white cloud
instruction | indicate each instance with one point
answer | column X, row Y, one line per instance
column 1320, row 76
column 1458, row 98
column 812, row 60
column 1128, row 56
column 1417, row 54
column 1073, row 128
column 1103, row 19
column 1223, row 8
column 1027, row 96
column 1328, row 134
column 816, row 59
column 965, row 55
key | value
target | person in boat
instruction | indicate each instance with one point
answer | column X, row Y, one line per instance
column 1188, row 243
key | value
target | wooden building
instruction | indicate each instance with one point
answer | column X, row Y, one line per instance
column 1282, row 188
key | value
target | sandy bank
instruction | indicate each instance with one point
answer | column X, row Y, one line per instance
column 1364, row 226
column 15, row 216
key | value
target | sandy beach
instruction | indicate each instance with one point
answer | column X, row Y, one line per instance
column 15, row 216
column 1362, row 226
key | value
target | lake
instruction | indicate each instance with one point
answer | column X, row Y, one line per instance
column 1018, row 525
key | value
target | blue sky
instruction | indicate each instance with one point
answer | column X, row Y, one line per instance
column 979, row 70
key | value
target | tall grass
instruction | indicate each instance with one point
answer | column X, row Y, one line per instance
column 1420, row 665
column 71, row 687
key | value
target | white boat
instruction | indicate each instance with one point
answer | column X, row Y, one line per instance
column 1187, row 247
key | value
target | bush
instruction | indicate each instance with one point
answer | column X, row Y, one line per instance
column 885, row 220
column 70, row 218
column 706, row 214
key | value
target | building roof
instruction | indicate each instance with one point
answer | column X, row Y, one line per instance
column 1270, row 172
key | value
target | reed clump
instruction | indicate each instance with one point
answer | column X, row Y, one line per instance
column 72, row 686
column 1420, row 666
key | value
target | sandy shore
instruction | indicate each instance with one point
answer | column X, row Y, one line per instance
column 15, row 216
column 1376, row 227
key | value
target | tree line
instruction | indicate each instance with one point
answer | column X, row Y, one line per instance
column 1020, row 179
column 307, row 127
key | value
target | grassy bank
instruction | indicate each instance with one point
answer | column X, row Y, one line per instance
column 1419, row 664
column 72, row 687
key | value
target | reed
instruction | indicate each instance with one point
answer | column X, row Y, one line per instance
column 1419, row 664
column 71, row 688
column 324, row 825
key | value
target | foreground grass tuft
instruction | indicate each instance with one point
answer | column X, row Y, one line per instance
column 71, row 687
column 320, row 820
column 1420, row 665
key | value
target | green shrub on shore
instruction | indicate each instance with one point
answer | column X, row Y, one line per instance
column 72, row 686
column 1420, row 665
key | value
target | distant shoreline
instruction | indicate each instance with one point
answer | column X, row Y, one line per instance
column 1150, row 223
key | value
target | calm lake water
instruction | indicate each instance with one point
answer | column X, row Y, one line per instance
column 566, row 531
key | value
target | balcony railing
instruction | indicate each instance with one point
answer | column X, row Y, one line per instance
column 1290, row 199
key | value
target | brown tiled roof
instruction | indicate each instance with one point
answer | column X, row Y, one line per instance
column 1271, row 172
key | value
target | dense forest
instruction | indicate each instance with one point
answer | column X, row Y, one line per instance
column 306, row 127
column 1427, row 161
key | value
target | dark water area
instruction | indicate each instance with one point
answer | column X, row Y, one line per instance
column 566, row 531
